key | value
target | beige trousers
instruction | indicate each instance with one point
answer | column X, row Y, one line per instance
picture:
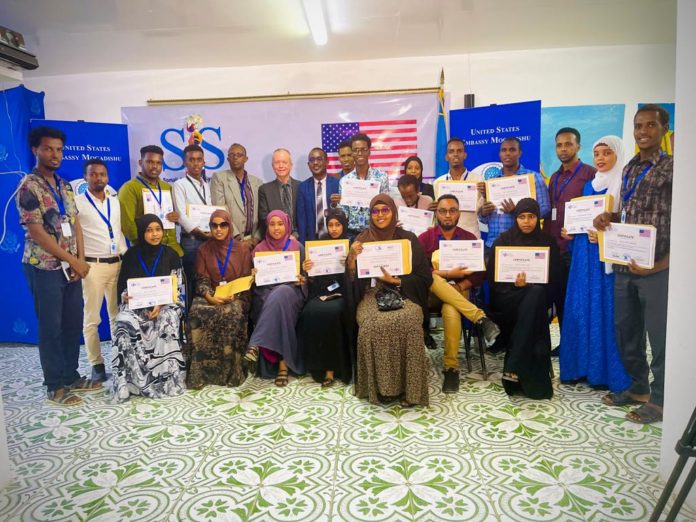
column 100, row 283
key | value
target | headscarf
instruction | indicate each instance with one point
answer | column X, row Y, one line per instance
column 514, row 235
column 417, row 160
column 611, row 179
column 276, row 245
column 340, row 216
column 221, row 245
column 147, row 251
column 380, row 234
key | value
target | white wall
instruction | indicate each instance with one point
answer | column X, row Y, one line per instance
column 680, row 373
column 576, row 76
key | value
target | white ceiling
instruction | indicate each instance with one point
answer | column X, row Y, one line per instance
column 77, row 36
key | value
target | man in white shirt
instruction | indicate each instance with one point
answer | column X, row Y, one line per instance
column 100, row 217
column 455, row 156
column 193, row 189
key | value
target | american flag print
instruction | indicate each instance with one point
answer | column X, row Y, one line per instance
column 644, row 232
column 392, row 142
column 540, row 255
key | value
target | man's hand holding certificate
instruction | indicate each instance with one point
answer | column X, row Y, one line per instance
column 146, row 292
column 465, row 191
column 152, row 206
column 275, row 268
column 392, row 256
column 580, row 212
column 462, row 254
column 513, row 188
column 358, row 192
column 533, row 262
column 328, row 257
column 200, row 214
column 415, row 220
column 622, row 243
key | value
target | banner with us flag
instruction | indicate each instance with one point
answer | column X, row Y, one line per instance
column 400, row 125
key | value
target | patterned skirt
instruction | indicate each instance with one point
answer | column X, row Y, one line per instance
column 391, row 357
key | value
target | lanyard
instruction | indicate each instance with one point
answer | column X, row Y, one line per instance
column 223, row 267
column 202, row 198
column 106, row 219
column 557, row 194
column 157, row 199
column 639, row 178
column 151, row 273
column 287, row 244
column 57, row 195
column 242, row 186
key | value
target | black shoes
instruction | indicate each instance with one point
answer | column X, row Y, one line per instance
column 490, row 330
column 430, row 343
column 451, row 381
column 98, row 373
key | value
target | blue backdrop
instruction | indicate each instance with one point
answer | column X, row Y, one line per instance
column 484, row 128
column 17, row 322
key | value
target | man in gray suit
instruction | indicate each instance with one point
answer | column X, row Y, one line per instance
column 238, row 191
column 281, row 193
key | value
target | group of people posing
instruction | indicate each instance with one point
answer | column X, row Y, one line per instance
column 369, row 331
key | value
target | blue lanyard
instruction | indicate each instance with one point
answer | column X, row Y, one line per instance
column 557, row 194
column 241, row 187
column 106, row 219
column 57, row 195
column 639, row 178
column 221, row 267
column 158, row 200
column 287, row 244
column 151, row 273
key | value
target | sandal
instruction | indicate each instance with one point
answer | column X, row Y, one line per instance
column 281, row 379
column 405, row 404
column 252, row 354
column 327, row 383
column 85, row 384
column 620, row 399
column 63, row 397
column 512, row 377
column 647, row 413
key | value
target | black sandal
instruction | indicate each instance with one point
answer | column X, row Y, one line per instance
column 281, row 380
column 328, row 383
column 512, row 377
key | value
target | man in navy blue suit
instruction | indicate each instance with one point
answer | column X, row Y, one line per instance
column 314, row 197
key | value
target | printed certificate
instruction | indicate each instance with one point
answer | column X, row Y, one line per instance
column 466, row 192
column 358, row 192
column 237, row 286
column 394, row 256
column 623, row 242
column 328, row 257
column 200, row 214
column 462, row 253
column 145, row 292
column 510, row 261
column 510, row 187
column 415, row 220
column 151, row 206
column 580, row 212
column 276, row 267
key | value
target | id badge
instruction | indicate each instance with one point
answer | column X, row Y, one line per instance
column 623, row 215
column 553, row 214
column 222, row 283
column 113, row 248
column 66, row 229
column 332, row 287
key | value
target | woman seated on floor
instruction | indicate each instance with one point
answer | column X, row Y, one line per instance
column 218, row 325
column 327, row 321
column 521, row 309
column 391, row 360
column 146, row 353
column 275, row 309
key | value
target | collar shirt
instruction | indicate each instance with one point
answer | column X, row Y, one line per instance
column 95, row 231
column 359, row 217
column 189, row 191
column 468, row 220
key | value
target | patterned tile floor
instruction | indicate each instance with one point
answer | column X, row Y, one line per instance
column 303, row 454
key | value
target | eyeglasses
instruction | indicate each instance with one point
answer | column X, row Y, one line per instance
column 358, row 152
column 315, row 159
column 221, row 226
column 383, row 210
column 445, row 211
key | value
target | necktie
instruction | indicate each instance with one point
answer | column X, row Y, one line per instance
column 320, row 211
column 286, row 199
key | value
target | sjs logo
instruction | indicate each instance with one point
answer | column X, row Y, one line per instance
column 174, row 141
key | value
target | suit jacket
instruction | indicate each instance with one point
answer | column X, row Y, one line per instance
column 307, row 206
column 269, row 199
column 224, row 189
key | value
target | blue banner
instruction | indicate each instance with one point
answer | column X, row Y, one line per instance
column 18, row 321
column 484, row 128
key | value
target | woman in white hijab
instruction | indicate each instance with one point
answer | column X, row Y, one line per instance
column 589, row 347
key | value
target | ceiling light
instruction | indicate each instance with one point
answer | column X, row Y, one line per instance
column 315, row 20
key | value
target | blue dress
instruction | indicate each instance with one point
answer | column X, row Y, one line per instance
column 589, row 345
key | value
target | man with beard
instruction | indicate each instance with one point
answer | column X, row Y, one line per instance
column 314, row 197
column 450, row 287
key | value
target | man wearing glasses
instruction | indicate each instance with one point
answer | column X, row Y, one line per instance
column 359, row 217
column 238, row 191
column 450, row 288
column 314, row 197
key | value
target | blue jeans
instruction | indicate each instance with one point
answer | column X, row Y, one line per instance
column 59, row 311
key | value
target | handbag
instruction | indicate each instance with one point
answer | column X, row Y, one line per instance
column 389, row 298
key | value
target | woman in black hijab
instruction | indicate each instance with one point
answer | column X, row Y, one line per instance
column 146, row 354
column 521, row 309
